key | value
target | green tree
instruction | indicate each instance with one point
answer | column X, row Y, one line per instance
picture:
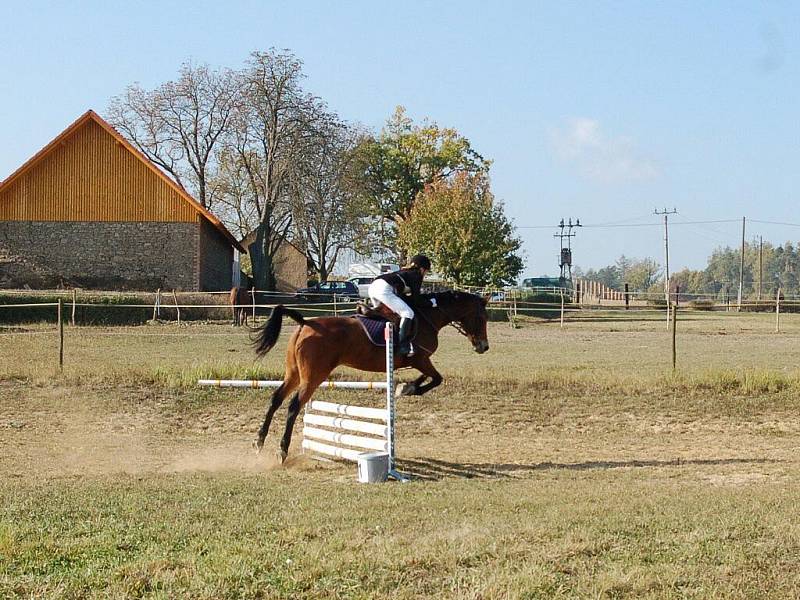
column 465, row 232
column 642, row 274
column 402, row 160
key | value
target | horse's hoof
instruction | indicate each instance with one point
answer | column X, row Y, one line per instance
column 258, row 445
column 282, row 456
column 405, row 389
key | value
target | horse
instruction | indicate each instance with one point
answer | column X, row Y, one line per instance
column 322, row 344
column 238, row 300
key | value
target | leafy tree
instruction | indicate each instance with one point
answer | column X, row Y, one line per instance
column 642, row 274
column 398, row 164
column 609, row 276
column 465, row 232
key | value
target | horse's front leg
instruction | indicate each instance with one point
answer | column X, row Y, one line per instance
column 416, row 387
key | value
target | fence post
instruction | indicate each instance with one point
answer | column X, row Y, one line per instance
column 74, row 299
column 177, row 308
column 778, row 312
column 627, row 297
column 335, row 310
column 60, row 335
column 562, row 309
column 253, row 296
column 674, row 328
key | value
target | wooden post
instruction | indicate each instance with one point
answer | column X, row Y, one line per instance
column 674, row 328
column 778, row 312
column 177, row 308
column 562, row 309
column 155, row 305
column 253, row 296
column 627, row 297
column 60, row 334
column 74, row 300
column 335, row 310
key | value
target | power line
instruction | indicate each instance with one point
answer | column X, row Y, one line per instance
column 775, row 223
column 616, row 225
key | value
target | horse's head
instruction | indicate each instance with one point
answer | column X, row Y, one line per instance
column 467, row 312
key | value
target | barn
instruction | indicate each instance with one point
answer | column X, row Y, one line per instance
column 91, row 211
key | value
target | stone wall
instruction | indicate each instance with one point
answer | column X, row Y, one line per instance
column 216, row 259
column 99, row 255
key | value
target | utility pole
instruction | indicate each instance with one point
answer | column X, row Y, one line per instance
column 666, row 212
column 741, row 268
column 565, row 256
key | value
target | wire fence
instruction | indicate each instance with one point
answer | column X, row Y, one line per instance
column 84, row 307
column 72, row 310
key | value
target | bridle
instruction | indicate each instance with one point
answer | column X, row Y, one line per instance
column 451, row 322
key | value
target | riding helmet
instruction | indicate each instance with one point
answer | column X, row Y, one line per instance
column 421, row 261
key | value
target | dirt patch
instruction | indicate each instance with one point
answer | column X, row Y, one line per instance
column 69, row 430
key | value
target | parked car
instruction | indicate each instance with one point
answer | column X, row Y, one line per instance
column 326, row 290
column 363, row 285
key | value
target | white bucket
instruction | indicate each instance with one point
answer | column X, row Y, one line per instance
column 373, row 467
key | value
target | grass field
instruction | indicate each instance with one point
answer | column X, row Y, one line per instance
column 563, row 463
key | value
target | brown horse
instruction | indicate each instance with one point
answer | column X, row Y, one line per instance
column 239, row 299
column 320, row 345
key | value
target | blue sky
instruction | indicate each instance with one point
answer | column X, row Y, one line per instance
column 596, row 110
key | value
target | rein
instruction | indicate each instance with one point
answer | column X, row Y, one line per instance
column 451, row 322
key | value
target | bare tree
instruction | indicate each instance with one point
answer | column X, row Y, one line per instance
column 326, row 201
column 179, row 124
column 272, row 129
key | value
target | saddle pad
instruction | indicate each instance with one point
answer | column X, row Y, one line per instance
column 374, row 329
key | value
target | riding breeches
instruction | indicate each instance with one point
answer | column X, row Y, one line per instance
column 380, row 292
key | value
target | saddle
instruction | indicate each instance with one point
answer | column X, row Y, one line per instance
column 373, row 321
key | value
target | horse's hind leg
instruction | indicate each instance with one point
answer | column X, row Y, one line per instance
column 299, row 400
column 310, row 380
column 278, row 396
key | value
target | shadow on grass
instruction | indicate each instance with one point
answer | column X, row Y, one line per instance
column 434, row 470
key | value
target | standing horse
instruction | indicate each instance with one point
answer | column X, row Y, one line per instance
column 238, row 300
column 321, row 345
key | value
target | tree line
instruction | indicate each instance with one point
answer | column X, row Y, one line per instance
column 767, row 268
column 276, row 164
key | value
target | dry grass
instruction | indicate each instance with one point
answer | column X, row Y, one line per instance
column 563, row 463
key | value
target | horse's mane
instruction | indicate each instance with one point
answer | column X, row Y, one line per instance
column 449, row 297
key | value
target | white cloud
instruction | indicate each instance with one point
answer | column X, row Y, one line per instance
column 599, row 156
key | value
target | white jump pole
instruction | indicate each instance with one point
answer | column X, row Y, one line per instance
column 389, row 337
column 259, row 383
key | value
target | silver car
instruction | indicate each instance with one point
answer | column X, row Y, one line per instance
column 362, row 283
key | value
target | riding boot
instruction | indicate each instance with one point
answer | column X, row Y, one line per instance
column 404, row 347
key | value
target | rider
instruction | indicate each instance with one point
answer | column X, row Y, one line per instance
column 389, row 288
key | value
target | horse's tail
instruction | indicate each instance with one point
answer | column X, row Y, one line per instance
column 266, row 337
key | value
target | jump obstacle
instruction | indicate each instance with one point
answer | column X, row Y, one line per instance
column 325, row 434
